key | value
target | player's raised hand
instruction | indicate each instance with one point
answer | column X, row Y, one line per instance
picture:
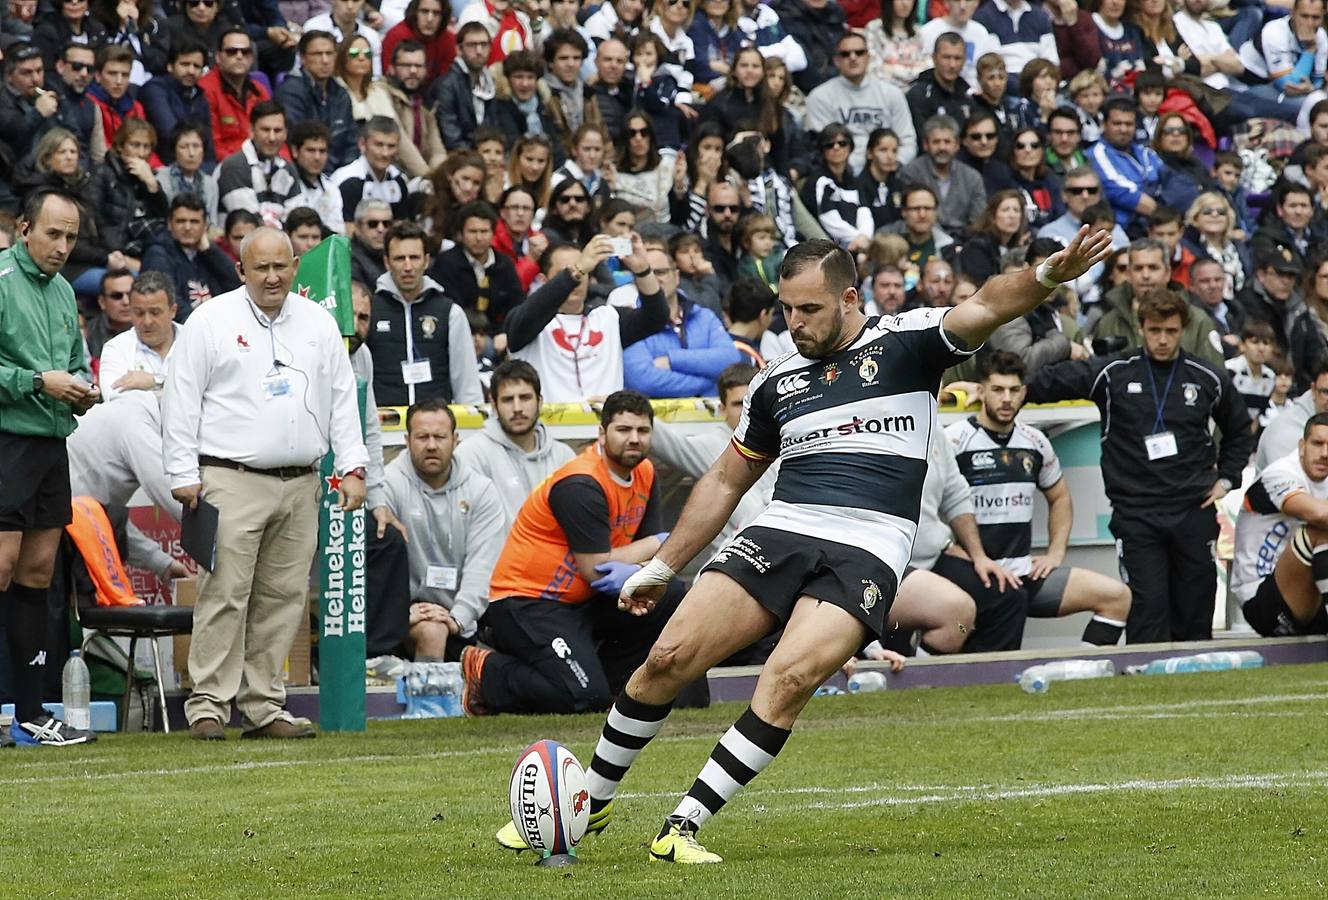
column 1085, row 251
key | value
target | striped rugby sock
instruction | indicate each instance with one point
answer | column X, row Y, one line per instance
column 630, row 727
column 742, row 753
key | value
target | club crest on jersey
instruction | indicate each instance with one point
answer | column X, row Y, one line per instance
column 1028, row 465
column 830, row 375
column 870, row 595
column 1191, row 392
column 867, row 370
column 428, row 326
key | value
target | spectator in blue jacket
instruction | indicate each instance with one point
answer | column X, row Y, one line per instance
column 314, row 94
column 1131, row 172
column 199, row 269
column 176, row 97
column 684, row 358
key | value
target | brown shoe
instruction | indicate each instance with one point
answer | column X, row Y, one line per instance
column 472, row 673
column 283, row 729
column 207, row 730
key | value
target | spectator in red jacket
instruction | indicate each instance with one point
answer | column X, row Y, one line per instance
column 113, row 95
column 231, row 92
column 426, row 22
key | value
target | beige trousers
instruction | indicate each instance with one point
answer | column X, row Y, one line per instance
column 251, row 605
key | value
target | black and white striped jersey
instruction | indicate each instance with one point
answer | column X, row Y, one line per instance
column 852, row 433
column 1004, row 470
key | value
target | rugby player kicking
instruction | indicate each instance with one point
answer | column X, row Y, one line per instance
column 849, row 416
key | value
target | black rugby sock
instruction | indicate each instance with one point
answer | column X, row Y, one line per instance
column 25, row 626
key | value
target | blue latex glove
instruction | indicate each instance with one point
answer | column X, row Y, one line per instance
column 662, row 537
column 615, row 576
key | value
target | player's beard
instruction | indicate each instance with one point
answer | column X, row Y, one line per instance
column 824, row 347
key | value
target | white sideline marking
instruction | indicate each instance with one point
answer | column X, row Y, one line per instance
column 933, row 794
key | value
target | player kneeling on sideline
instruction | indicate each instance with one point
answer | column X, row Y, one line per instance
column 849, row 415
column 1283, row 593
column 1003, row 460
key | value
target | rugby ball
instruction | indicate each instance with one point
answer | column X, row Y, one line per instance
column 550, row 803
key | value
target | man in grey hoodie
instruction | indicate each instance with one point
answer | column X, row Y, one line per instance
column 456, row 528
column 514, row 450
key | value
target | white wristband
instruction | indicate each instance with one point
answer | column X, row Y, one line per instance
column 1041, row 275
column 652, row 574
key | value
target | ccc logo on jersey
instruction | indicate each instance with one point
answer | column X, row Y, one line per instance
column 792, row 384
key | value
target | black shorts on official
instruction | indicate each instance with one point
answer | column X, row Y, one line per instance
column 777, row 567
column 34, row 483
column 1268, row 613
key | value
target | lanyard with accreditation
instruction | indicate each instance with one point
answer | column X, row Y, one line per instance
column 1160, row 443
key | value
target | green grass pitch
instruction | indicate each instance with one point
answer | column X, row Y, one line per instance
column 1209, row 785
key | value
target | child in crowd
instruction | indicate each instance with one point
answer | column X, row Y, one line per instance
column 762, row 251
column 661, row 88
column 696, row 274
column 1150, row 88
column 1315, row 169
column 1280, row 400
column 1250, row 373
column 1011, row 112
column 1087, row 91
column 481, row 334
column 1227, row 170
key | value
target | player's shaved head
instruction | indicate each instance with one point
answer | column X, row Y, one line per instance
column 836, row 264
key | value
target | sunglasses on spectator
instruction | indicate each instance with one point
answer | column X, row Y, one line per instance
column 573, row 198
column 1081, row 191
column 982, row 135
column 1213, row 211
column 201, row 3
column 724, row 207
column 116, row 295
column 638, row 132
column 79, row 66
column 675, row 2
column 237, row 51
column 1028, row 145
column 845, row 54
column 837, row 142
column 377, row 223
column 1175, row 129
column 358, row 52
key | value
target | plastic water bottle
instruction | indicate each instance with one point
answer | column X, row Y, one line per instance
column 1036, row 679
column 1201, row 662
column 76, row 692
column 866, row 682
column 828, row 690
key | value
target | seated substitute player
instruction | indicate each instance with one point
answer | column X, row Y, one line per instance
column 1003, row 460
column 849, row 415
column 1283, row 593
column 561, row 645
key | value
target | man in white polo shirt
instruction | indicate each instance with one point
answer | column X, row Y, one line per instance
column 135, row 360
column 261, row 387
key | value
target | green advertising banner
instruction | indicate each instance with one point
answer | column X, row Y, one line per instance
column 324, row 277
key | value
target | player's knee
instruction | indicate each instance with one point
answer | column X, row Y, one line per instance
column 430, row 638
column 796, row 682
column 667, row 661
column 1117, row 605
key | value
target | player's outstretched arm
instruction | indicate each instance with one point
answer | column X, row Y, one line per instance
column 710, row 505
column 1007, row 297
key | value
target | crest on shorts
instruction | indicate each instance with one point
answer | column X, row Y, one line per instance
column 870, row 595
column 867, row 371
column 428, row 325
column 1191, row 392
column 830, row 375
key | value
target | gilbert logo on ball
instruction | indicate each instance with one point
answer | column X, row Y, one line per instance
column 550, row 803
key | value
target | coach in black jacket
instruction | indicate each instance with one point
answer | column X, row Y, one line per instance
column 1162, row 469
column 498, row 289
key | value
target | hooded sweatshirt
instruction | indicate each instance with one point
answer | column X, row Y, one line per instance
column 456, row 534
column 513, row 471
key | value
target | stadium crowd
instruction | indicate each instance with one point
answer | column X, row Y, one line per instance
column 564, row 202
